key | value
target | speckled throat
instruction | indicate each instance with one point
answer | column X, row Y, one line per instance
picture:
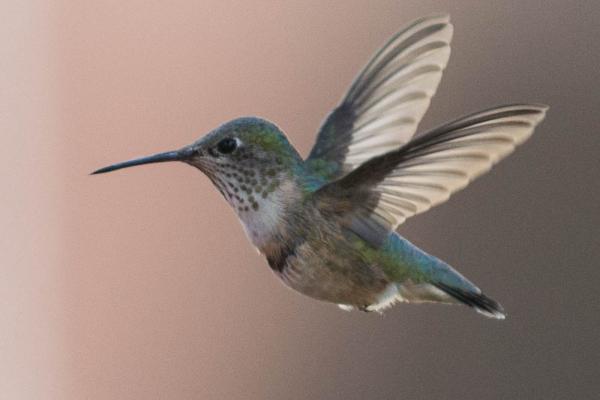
column 258, row 192
column 244, row 186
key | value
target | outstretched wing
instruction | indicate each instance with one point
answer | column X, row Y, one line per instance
column 379, row 195
column 387, row 100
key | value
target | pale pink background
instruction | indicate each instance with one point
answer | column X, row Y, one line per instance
column 141, row 284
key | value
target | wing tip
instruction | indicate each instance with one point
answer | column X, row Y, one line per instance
column 436, row 19
column 442, row 17
column 534, row 107
column 536, row 110
column 532, row 112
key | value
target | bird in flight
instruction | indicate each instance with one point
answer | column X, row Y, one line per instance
column 327, row 224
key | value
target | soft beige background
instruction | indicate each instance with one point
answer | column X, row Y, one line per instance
column 141, row 284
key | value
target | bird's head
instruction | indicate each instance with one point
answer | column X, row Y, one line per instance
column 247, row 159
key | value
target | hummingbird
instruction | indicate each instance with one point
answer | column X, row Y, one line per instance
column 327, row 224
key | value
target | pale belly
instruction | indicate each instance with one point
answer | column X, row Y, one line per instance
column 321, row 274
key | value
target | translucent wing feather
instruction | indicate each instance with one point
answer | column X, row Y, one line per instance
column 387, row 100
column 383, row 192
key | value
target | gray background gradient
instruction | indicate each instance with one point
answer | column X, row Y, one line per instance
column 141, row 284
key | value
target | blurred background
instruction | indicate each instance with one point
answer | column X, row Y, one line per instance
column 142, row 285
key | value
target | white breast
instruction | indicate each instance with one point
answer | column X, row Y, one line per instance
column 263, row 223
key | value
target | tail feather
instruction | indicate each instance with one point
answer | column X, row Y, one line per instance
column 480, row 302
column 432, row 280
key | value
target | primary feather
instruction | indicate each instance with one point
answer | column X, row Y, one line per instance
column 386, row 102
column 387, row 189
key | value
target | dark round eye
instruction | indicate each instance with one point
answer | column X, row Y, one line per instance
column 227, row 145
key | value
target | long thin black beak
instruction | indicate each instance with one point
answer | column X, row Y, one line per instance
column 177, row 155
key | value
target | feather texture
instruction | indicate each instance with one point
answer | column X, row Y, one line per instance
column 389, row 97
column 397, row 185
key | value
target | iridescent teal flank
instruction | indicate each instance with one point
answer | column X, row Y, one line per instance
column 418, row 265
